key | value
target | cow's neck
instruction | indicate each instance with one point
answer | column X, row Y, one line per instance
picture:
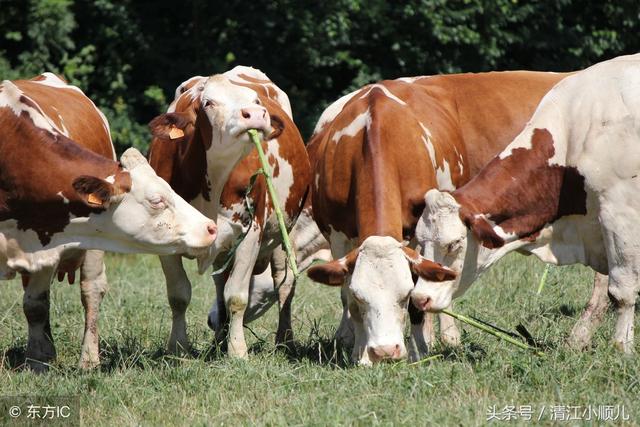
column 378, row 198
column 219, row 169
column 39, row 174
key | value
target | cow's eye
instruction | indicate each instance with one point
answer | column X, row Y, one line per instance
column 257, row 101
column 454, row 246
column 157, row 202
column 208, row 103
column 357, row 298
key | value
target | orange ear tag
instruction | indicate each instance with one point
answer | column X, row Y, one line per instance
column 92, row 199
column 175, row 132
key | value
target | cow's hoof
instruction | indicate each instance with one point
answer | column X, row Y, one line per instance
column 37, row 366
column 450, row 339
column 285, row 338
column 238, row 351
column 179, row 348
column 88, row 364
column 580, row 338
column 625, row 347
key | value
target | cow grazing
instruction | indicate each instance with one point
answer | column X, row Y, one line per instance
column 565, row 190
column 210, row 152
column 376, row 152
column 62, row 192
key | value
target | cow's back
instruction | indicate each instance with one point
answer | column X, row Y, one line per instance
column 492, row 108
column 72, row 113
column 385, row 145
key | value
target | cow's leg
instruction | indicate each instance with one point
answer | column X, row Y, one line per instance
column 623, row 289
column 422, row 336
column 179, row 294
column 345, row 334
column 449, row 332
column 35, row 303
column 623, row 259
column 284, row 281
column 236, row 291
column 582, row 332
column 93, row 286
column 218, row 320
column 359, row 354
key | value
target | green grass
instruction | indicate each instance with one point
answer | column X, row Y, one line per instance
column 137, row 384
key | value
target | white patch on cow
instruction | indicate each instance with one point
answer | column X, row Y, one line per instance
column 111, row 179
column 426, row 140
column 284, row 181
column 361, row 121
column 332, row 111
column 340, row 243
column 10, row 97
column 385, row 90
column 52, row 80
column 281, row 97
column 380, row 287
column 64, row 199
column 443, row 177
column 443, row 174
column 192, row 93
column 411, row 79
column 308, row 241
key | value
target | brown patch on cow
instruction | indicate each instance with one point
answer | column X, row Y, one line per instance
column 278, row 126
column 333, row 273
column 182, row 161
column 262, row 87
column 522, row 192
column 171, row 126
column 427, row 269
column 38, row 165
column 275, row 166
column 94, row 191
column 42, row 77
column 471, row 118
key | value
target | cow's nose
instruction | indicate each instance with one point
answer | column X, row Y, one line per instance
column 212, row 229
column 255, row 117
column 422, row 303
column 382, row 352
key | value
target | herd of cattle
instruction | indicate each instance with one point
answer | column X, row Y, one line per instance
column 413, row 187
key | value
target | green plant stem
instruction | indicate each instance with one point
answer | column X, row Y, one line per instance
column 495, row 333
column 543, row 279
column 266, row 171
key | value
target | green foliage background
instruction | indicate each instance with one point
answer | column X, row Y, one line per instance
column 130, row 55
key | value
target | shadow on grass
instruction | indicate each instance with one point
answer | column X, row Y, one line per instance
column 129, row 353
column 14, row 358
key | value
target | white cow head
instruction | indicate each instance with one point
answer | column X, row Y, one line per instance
column 143, row 214
column 380, row 273
column 444, row 238
column 219, row 112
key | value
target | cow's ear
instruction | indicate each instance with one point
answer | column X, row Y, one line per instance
column 172, row 126
column 93, row 191
column 334, row 272
column 428, row 270
column 278, row 126
column 483, row 231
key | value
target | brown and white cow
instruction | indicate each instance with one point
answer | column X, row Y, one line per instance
column 565, row 190
column 62, row 192
column 197, row 165
column 376, row 152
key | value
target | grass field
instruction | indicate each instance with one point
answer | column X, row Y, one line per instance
column 138, row 384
